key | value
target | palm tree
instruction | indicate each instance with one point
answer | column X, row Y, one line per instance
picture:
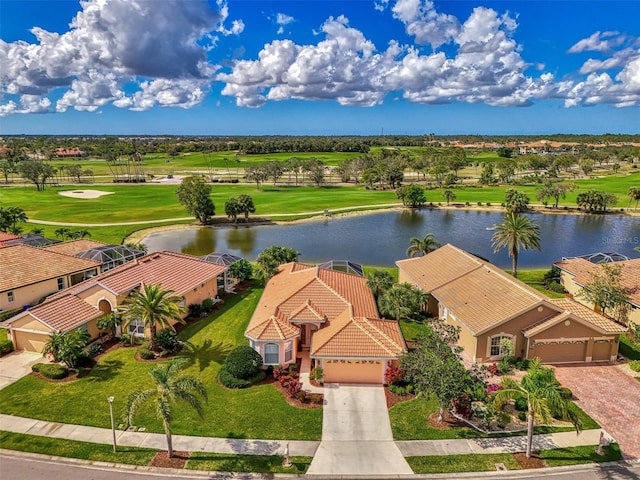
column 543, row 394
column 422, row 246
column 245, row 203
column 449, row 196
column 634, row 194
column 379, row 281
column 63, row 232
column 154, row 306
column 168, row 388
column 514, row 233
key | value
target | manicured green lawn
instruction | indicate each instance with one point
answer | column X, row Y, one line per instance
column 411, row 330
column 559, row 457
column 221, row 462
column 409, row 422
column 256, row 412
column 461, row 463
column 534, row 278
column 61, row 447
column 393, row 271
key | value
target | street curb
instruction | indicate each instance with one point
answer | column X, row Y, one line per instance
column 179, row 472
column 533, row 472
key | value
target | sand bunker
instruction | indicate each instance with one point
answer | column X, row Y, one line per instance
column 84, row 193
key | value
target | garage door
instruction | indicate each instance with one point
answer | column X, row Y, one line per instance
column 353, row 371
column 31, row 342
column 560, row 352
column 601, row 351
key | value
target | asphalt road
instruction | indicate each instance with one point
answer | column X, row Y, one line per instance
column 34, row 468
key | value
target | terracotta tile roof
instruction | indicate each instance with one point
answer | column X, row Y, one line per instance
column 594, row 318
column 358, row 337
column 583, row 269
column 6, row 237
column 63, row 313
column 307, row 311
column 73, row 247
column 273, row 328
column 534, row 329
column 439, row 267
column 174, row 271
column 478, row 294
column 23, row 265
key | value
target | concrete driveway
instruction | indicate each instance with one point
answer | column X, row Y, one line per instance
column 610, row 397
column 356, row 435
column 17, row 365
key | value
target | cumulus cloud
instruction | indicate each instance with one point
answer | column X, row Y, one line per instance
column 598, row 42
column 140, row 43
column 423, row 22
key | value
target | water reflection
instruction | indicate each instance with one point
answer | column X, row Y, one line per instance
column 382, row 238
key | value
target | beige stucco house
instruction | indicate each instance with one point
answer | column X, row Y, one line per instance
column 577, row 272
column 27, row 274
column 489, row 305
column 83, row 304
column 332, row 315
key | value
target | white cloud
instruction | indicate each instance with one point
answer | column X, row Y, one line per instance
column 423, row 22
column 380, row 5
column 110, row 44
column 283, row 19
column 598, row 42
column 237, row 26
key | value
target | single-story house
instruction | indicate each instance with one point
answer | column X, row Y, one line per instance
column 27, row 274
column 330, row 313
column 575, row 273
column 488, row 305
column 83, row 304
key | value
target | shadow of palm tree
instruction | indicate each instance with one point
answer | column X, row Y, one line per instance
column 105, row 370
column 205, row 353
column 618, row 471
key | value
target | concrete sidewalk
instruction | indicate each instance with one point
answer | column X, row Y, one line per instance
column 296, row 447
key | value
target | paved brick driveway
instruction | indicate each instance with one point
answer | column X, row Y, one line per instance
column 609, row 396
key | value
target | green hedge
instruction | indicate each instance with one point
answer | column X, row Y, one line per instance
column 50, row 370
column 230, row 381
column 6, row 346
column 634, row 365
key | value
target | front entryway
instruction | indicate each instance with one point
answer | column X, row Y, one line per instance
column 356, row 435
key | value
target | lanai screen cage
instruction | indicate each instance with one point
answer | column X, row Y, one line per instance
column 225, row 259
column 602, row 257
column 32, row 240
column 344, row 266
column 110, row 256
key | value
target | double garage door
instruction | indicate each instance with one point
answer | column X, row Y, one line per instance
column 354, row 371
column 572, row 352
column 29, row 341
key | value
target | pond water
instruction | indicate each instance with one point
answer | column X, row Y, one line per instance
column 382, row 238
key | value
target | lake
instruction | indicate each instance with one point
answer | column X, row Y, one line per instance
column 382, row 238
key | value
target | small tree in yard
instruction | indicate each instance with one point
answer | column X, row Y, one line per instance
column 434, row 368
column 604, row 288
column 379, row 281
column 543, row 393
column 240, row 270
column 109, row 322
column 168, row 388
column 67, row 347
column 194, row 194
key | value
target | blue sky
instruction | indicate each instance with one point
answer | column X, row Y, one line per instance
column 224, row 67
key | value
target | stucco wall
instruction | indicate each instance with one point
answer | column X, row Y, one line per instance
column 29, row 294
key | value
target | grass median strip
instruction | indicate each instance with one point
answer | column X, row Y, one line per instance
column 60, row 447
column 577, row 455
column 461, row 463
column 222, row 462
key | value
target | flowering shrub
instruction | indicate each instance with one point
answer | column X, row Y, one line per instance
column 493, row 369
column 493, row 387
column 393, row 375
column 294, row 387
column 278, row 372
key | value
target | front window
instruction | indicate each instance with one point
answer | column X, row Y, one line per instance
column 10, row 297
column 271, row 354
column 496, row 345
column 60, row 283
column 136, row 328
column 288, row 352
column 83, row 328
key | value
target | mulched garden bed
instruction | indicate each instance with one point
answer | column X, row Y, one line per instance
column 294, row 402
column 394, row 399
column 534, row 462
column 161, row 459
column 449, row 421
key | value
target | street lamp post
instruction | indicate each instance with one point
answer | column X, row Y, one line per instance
column 113, row 425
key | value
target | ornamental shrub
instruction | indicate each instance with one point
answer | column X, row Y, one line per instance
column 53, row 371
column 195, row 309
column 493, row 369
column 493, row 387
column 146, row 354
column 230, row 381
column 94, row 350
column 522, row 416
column 462, row 406
column 634, row 365
column 207, row 305
column 167, row 340
column 243, row 362
column 521, row 404
column 6, row 346
column 503, row 419
column 279, row 372
column 566, row 393
column 393, row 375
column 294, row 387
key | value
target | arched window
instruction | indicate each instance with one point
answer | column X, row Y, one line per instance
column 271, row 354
